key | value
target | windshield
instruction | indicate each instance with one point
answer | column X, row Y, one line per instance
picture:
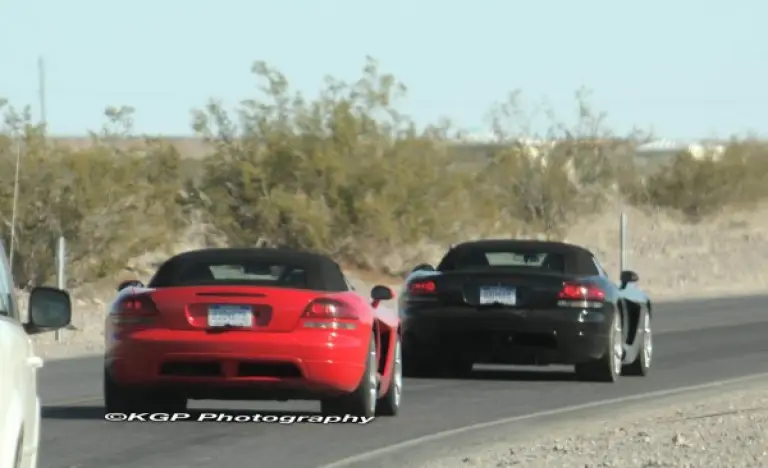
column 479, row 259
column 247, row 272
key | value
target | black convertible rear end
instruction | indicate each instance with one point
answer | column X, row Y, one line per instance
column 524, row 303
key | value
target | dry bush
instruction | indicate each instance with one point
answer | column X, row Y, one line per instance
column 110, row 205
column 344, row 173
column 348, row 175
column 699, row 188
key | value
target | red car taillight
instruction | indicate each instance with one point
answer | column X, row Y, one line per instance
column 329, row 313
column 135, row 310
column 580, row 295
column 422, row 288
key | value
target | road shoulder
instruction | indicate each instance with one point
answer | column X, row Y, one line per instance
column 718, row 426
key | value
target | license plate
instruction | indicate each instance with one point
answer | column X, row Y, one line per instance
column 498, row 295
column 230, row 316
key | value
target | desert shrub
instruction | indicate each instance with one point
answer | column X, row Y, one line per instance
column 110, row 204
column 347, row 174
column 545, row 188
column 701, row 187
column 343, row 173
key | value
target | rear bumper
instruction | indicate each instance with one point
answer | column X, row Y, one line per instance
column 558, row 336
column 240, row 365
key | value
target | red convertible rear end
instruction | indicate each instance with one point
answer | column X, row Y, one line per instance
column 252, row 324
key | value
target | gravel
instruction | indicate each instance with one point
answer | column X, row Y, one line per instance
column 726, row 429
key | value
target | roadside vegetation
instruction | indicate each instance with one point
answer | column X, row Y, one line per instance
column 343, row 173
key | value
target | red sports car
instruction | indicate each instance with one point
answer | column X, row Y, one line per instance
column 252, row 324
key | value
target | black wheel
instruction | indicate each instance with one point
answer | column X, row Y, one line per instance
column 118, row 399
column 416, row 364
column 608, row 367
column 642, row 364
column 169, row 402
column 417, row 367
column 389, row 404
column 458, row 366
column 362, row 401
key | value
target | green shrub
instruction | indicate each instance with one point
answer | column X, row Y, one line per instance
column 110, row 205
column 345, row 173
column 701, row 187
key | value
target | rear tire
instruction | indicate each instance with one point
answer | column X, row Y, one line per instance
column 169, row 403
column 419, row 368
column 417, row 365
column 642, row 364
column 608, row 367
column 458, row 367
column 119, row 399
column 362, row 401
column 389, row 404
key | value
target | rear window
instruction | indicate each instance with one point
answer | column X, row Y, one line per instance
column 247, row 272
column 479, row 259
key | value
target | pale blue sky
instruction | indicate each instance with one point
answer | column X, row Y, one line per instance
column 688, row 68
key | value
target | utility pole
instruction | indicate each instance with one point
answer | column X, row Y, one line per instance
column 41, row 91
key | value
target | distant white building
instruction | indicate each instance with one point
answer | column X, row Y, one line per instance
column 657, row 151
column 661, row 149
column 535, row 147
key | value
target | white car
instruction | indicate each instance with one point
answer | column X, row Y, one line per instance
column 49, row 309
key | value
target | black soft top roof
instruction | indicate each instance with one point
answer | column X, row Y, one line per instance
column 577, row 259
column 323, row 274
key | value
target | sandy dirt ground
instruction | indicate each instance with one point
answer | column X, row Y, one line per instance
column 727, row 256
column 674, row 261
column 716, row 428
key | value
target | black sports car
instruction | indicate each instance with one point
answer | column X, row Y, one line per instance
column 524, row 302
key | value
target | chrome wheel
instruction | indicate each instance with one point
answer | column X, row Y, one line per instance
column 397, row 374
column 647, row 339
column 644, row 336
column 609, row 366
column 618, row 347
column 389, row 404
column 373, row 383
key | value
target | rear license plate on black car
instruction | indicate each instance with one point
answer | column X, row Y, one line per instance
column 498, row 295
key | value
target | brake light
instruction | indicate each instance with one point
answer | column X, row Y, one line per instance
column 328, row 313
column 135, row 310
column 581, row 295
column 422, row 288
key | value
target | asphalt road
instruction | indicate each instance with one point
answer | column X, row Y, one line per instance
column 695, row 342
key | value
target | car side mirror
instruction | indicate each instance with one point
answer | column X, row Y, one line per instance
column 380, row 293
column 130, row 283
column 49, row 309
column 628, row 276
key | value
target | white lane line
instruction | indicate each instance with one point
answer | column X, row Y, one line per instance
column 367, row 456
column 75, row 401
